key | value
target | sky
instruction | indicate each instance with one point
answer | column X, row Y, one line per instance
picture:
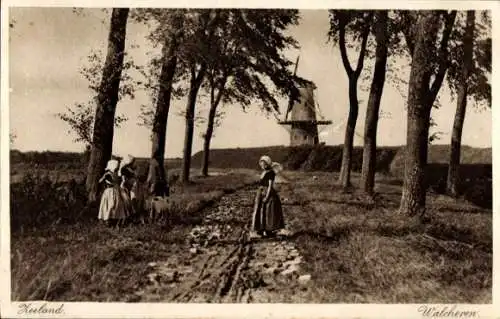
column 48, row 47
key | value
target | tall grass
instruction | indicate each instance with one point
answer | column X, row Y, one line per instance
column 50, row 229
column 359, row 251
column 37, row 200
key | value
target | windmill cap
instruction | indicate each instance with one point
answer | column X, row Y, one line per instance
column 307, row 83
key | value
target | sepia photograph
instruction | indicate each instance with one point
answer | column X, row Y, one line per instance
column 246, row 155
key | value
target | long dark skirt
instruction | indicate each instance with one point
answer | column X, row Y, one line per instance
column 267, row 216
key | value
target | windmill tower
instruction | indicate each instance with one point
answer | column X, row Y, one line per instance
column 303, row 122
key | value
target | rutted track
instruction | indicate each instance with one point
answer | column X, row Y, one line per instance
column 224, row 264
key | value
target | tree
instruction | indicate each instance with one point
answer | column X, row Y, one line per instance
column 384, row 69
column 184, row 57
column 373, row 107
column 197, row 65
column 466, row 78
column 107, row 99
column 407, row 21
column 360, row 24
column 261, row 46
column 80, row 119
column 421, row 40
column 169, row 33
column 441, row 63
column 247, row 55
column 237, row 50
column 159, row 131
column 217, row 86
column 80, row 116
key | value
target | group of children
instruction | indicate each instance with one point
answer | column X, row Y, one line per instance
column 117, row 201
column 120, row 182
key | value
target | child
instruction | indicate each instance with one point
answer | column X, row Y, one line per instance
column 127, row 172
column 111, row 208
column 129, row 184
column 267, row 213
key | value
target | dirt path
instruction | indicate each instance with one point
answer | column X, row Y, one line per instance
column 225, row 265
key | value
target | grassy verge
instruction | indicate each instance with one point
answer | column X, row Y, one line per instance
column 361, row 251
column 79, row 261
column 356, row 249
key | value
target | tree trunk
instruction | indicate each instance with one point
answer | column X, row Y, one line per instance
column 372, row 111
column 345, row 169
column 419, row 110
column 456, row 135
column 196, row 81
column 107, row 98
column 208, row 138
column 214, row 103
column 157, row 176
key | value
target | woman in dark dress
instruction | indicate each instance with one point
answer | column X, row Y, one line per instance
column 268, row 212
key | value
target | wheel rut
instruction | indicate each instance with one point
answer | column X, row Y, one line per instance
column 224, row 265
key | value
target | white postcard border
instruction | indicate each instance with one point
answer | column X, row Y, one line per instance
column 157, row 310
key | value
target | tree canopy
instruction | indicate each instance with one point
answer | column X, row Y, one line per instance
column 479, row 85
column 80, row 116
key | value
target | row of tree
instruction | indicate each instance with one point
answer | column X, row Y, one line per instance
column 439, row 45
column 236, row 56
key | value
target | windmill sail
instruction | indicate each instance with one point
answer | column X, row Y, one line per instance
column 292, row 97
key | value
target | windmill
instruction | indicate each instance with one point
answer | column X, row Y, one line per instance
column 303, row 122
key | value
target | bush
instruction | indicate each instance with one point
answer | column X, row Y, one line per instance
column 48, row 159
column 37, row 200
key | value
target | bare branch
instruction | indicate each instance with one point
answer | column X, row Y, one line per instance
column 443, row 55
column 342, row 45
column 364, row 41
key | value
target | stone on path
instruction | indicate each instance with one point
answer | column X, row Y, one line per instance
column 269, row 259
column 284, row 232
column 272, row 270
column 294, row 261
column 304, row 279
column 258, row 264
column 292, row 269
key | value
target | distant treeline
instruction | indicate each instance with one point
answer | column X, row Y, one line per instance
column 329, row 158
column 475, row 172
column 475, row 168
column 309, row 158
column 61, row 160
column 47, row 159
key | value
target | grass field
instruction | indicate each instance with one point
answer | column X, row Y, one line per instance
column 357, row 250
column 90, row 258
column 363, row 251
